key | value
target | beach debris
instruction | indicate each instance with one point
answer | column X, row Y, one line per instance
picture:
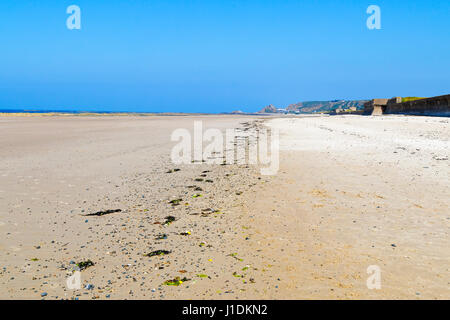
column 169, row 220
column 173, row 170
column 84, row 264
column 161, row 236
column 235, row 274
column 202, row 244
column 102, row 213
column 234, row 255
column 175, row 282
column 206, row 212
column 201, row 275
column 89, row 286
column 34, row 259
column 175, row 202
column 43, row 294
column 186, row 233
column 126, row 266
column 157, row 253
column 197, row 195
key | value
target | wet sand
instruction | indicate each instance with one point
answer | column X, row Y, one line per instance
column 351, row 192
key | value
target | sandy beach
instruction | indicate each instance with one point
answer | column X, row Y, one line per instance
column 351, row 192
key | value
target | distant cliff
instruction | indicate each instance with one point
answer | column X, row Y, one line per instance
column 316, row 106
column 269, row 109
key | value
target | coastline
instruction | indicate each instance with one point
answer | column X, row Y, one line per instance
column 348, row 189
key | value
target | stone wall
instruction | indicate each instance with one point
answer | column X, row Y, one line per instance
column 430, row 106
column 439, row 106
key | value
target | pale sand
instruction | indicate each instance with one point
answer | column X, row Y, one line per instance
column 348, row 188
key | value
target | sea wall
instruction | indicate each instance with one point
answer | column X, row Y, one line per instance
column 429, row 106
column 439, row 106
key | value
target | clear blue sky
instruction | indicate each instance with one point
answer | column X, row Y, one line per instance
column 212, row 56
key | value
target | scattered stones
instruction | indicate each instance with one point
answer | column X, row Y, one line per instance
column 161, row 236
column 89, row 286
column 116, row 242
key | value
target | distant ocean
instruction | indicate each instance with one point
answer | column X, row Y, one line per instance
column 62, row 111
column 112, row 112
column 41, row 111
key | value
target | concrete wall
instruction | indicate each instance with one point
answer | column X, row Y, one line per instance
column 430, row 106
column 375, row 107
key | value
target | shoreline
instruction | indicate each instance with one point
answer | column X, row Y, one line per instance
column 344, row 194
column 78, row 167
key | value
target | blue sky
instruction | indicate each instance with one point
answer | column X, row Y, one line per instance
column 213, row 56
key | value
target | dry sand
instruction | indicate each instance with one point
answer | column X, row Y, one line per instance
column 351, row 192
column 356, row 191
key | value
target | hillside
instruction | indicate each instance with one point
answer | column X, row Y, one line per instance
column 269, row 109
column 317, row 106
